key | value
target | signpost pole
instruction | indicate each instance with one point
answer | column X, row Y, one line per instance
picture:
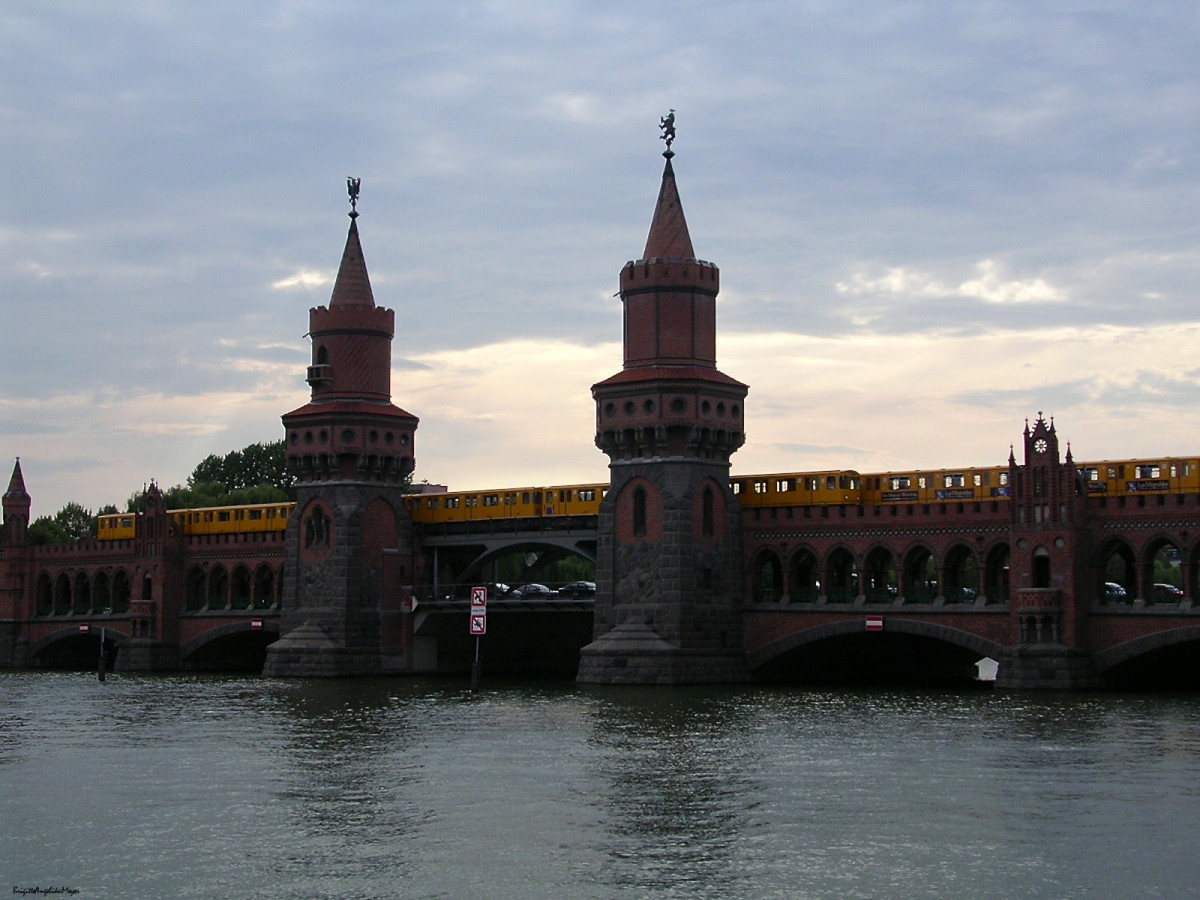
column 478, row 627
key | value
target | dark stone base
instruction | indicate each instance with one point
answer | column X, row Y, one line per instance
column 634, row 654
column 308, row 652
column 1045, row 667
column 145, row 655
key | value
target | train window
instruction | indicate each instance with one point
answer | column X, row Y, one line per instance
column 255, row 514
column 760, row 486
column 849, row 483
column 736, row 487
column 452, row 502
column 785, row 485
column 127, row 523
column 955, row 480
column 208, row 516
column 901, row 483
column 1121, row 471
column 223, row 516
column 239, row 514
column 980, row 479
column 921, row 482
column 587, row 495
column 471, row 502
column 1090, row 473
column 491, row 500
column 1174, row 473
column 830, row 482
column 1149, row 471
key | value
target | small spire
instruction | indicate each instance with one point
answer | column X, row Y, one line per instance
column 669, row 237
column 353, row 285
column 16, row 484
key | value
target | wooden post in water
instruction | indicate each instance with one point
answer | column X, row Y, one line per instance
column 100, row 664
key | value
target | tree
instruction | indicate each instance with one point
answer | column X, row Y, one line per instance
column 255, row 474
column 70, row 523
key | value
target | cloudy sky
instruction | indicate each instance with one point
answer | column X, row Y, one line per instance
column 932, row 221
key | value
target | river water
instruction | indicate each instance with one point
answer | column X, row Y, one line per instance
column 219, row 786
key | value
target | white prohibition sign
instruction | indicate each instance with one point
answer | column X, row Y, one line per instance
column 479, row 596
column 478, row 623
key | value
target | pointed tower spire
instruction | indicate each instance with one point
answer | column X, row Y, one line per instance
column 17, row 504
column 668, row 238
column 353, row 286
column 16, row 484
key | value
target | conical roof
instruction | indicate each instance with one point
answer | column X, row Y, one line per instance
column 353, row 285
column 16, row 484
column 668, row 236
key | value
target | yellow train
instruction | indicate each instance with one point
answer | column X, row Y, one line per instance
column 936, row 486
column 1136, row 477
column 511, row 503
column 254, row 517
column 842, row 487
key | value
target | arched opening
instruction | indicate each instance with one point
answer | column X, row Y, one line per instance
column 196, row 589
column 920, row 576
column 120, row 592
column 101, row 594
column 841, row 577
column 639, row 511
column 996, row 573
column 961, row 575
column 62, row 595
column 1041, row 568
column 768, row 578
column 45, row 595
column 81, row 600
column 879, row 583
column 804, row 585
column 240, row 595
column 1116, row 580
column 264, row 587
column 218, row 588
column 1163, row 572
column 707, row 527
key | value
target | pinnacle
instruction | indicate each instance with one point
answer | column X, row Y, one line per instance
column 668, row 230
column 353, row 285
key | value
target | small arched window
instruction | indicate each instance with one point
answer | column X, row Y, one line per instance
column 639, row 511
column 707, row 514
column 322, row 356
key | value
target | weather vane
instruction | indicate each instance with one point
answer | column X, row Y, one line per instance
column 667, row 124
column 352, row 188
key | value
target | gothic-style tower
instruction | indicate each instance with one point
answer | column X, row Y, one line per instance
column 17, row 504
column 668, row 568
column 350, row 450
column 1049, row 549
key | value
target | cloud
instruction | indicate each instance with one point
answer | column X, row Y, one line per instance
column 307, row 279
column 988, row 285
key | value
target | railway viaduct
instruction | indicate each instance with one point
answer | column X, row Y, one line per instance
column 690, row 587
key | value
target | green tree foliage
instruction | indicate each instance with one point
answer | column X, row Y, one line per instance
column 255, row 474
column 70, row 523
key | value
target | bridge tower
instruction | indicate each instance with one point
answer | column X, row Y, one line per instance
column 668, row 570
column 1049, row 541
column 350, row 450
column 15, row 568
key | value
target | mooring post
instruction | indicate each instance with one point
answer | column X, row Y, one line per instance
column 100, row 663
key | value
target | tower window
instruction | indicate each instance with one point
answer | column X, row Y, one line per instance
column 639, row 512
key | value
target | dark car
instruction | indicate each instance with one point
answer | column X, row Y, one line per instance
column 1167, row 593
column 577, row 589
column 529, row 592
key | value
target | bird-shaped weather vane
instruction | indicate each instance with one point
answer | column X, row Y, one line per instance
column 667, row 124
column 352, row 188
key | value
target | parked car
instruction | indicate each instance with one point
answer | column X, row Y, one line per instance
column 577, row 589
column 530, row 592
column 1114, row 593
column 1167, row 593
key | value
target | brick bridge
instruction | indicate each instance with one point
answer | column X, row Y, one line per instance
column 1054, row 581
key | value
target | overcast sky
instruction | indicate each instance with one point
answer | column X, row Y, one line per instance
column 932, row 221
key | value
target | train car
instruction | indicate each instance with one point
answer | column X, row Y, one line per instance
column 936, row 486
column 1138, row 477
column 470, row 506
column 831, row 488
column 254, row 517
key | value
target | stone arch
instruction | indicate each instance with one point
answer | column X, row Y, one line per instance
column 196, row 590
column 960, row 574
column 44, row 592
column 101, row 594
column 1106, row 659
column 81, row 594
column 918, row 579
column 766, row 574
column 217, row 595
column 996, row 573
column 638, row 512
column 1161, row 564
column 240, row 588
column 879, row 575
column 120, row 591
column 804, row 576
column 62, row 594
column 840, row 584
column 1115, row 565
column 264, row 587
column 976, row 644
